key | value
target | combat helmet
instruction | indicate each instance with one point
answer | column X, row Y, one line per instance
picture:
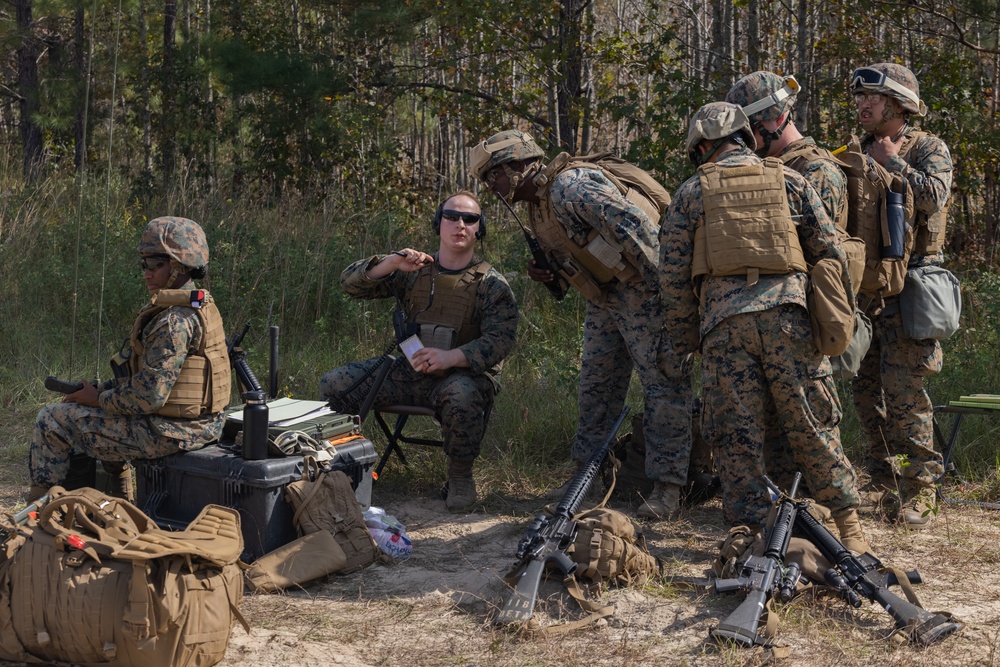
column 718, row 122
column 180, row 239
column 893, row 80
column 764, row 96
column 501, row 148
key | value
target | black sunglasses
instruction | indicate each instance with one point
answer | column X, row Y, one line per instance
column 455, row 216
column 153, row 262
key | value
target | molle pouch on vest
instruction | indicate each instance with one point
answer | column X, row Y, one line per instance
column 187, row 392
column 846, row 365
column 438, row 335
column 830, row 310
column 854, row 248
column 931, row 304
column 581, row 280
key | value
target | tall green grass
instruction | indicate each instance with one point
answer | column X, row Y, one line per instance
column 70, row 266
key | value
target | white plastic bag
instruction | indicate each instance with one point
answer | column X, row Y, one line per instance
column 389, row 534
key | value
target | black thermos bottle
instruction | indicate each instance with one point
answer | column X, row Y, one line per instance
column 254, row 426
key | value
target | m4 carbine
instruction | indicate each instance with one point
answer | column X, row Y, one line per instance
column 761, row 577
column 547, row 538
column 866, row 577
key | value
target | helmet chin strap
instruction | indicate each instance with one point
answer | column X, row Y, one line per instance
column 770, row 137
column 176, row 270
column 518, row 178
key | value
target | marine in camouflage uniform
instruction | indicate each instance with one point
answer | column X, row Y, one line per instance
column 623, row 325
column 758, row 356
column 461, row 392
column 120, row 422
column 894, row 410
column 769, row 100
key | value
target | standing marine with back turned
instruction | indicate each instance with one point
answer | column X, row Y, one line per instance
column 754, row 332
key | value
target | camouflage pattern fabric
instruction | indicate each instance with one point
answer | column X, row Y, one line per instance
column 461, row 398
column 894, row 410
column 830, row 183
column 625, row 332
column 179, row 238
column 826, row 178
column 124, row 427
column 757, row 86
column 760, row 369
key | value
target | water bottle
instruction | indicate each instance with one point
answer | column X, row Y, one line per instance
column 254, row 426
column 896, row 217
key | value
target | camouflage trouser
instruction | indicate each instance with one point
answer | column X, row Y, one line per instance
column 460, row 399
column 894, row 410
column 627, row 332
column 64, row 428
column 756, row 363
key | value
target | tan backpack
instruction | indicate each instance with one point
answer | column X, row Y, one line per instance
column 92, row 581
column 324, row 500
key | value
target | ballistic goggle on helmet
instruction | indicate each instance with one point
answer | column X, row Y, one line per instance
column 180, row 239
column 893, row 80
column 718, row 122
column 764, row 96
column 501, row 148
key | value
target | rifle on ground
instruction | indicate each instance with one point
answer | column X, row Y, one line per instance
column 761, row 577
column 547, row 538
column 855, row 577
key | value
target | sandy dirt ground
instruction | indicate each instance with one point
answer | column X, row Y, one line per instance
column 435, row 608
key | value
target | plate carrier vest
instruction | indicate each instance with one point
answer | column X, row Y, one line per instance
column 204, row 383
column 748, row 227
column 592, row 266
column 930, row 228
column 455, row 300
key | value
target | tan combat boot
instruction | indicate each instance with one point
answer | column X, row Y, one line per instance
column 35, row 492
column 918, row 508
column 461, row 486
column 663, row 503
column 849, row 527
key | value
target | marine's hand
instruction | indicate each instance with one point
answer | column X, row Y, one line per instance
column 881, row 149
column 539, row 275
column 408, row 259
column 435, row 361
column 86, row 396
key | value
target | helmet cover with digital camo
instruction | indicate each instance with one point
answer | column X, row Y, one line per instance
column 891, row 79
column 717, row 122
column 764, row 96
column 501, row 148
column 180, row 239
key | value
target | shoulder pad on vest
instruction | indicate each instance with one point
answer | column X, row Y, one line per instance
column 193, row 298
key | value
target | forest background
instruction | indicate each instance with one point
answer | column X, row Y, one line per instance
column 308, row 133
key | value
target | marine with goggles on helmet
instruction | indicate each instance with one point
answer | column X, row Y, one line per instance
column 740, row 298
column 894, row 410
column 606, row 246
column 176, row 381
